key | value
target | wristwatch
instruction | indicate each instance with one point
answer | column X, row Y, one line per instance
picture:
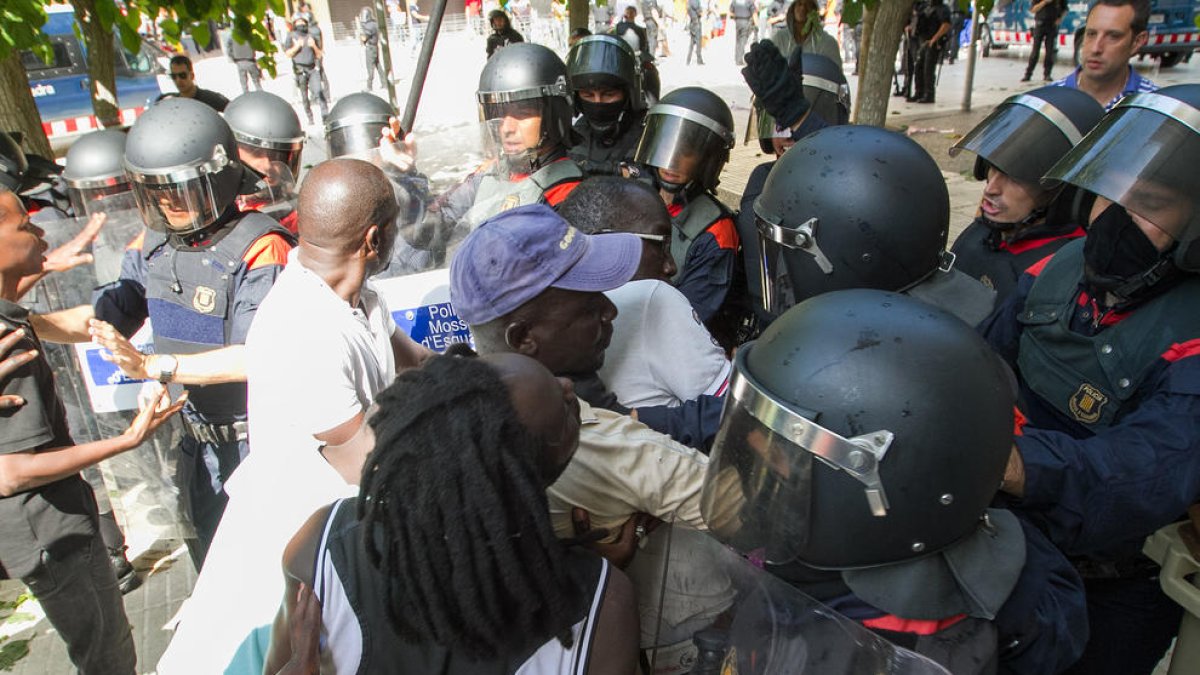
column 167, row 365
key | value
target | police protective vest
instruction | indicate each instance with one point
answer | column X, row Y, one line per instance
column 190, row 299
column 694, row 220
column 999, row 265
column 495, row 194
column 1091, row 379
column 741, row 10
column 600, row 153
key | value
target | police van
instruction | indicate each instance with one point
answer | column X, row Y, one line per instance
column 61, row 88
column 1172, row 27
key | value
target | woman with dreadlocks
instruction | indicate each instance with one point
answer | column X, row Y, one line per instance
column 446, row 563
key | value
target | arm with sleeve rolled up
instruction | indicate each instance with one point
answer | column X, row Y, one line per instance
column 1096, row 494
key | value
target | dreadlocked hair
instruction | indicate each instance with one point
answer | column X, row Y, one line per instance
column 455, row 517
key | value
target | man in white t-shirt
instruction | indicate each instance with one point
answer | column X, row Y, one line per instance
column 660, row 354
column 323, row 345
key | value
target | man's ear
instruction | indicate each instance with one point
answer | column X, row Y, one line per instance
column 372, row 240
column 520, row 339
column 1140, row 40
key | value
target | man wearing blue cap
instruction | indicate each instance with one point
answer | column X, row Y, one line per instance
column 528, row 282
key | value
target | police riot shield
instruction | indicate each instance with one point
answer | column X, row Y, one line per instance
column 709, row 610
column 99, row 400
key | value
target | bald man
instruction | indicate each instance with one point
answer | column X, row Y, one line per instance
column 322, row 345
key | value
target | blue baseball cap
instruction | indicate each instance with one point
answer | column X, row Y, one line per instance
column 516, row 255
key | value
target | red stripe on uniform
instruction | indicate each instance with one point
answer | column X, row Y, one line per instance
column 1037, row 267
column 1182, row 350
column 915, row 626
column 1030, row 244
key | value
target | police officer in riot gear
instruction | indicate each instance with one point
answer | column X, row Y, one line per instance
column 873, row 496
column 606, row 84
column 1104, row 337
column 860, row 207
column 368, row 35
column 198, row 275
column 270, row 141
column 743, row 13
column 825, row 95
column 303, row 47
column 354, row 124
column 1022, row 221
column 525, row 110
column 685, row 145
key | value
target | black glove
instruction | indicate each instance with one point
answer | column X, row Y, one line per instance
column 776, row 87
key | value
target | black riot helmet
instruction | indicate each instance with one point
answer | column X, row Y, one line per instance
column 851, row 207
column 1027, row 133
column 689, row 131
column 605, row 61
column 95, row 174
column 267, row 130
column 13, row 164
column 1142, row 156
column 825, row 88
column 354, row 124
column 862, row 428
column 520, row 81
column 183, row 162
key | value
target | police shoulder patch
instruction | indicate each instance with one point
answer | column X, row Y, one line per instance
column 1087, row 403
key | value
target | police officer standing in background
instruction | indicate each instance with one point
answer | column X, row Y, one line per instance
column 1047, row 14
column 933, row 22
column 1021, row 220
column 368, row 35
column 695, row 27
column 743, row 13
column 305, row 52
column 198, row 275
column 244, row 56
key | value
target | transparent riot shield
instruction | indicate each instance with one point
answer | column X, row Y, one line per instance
column 708, row 610
column 136, row 485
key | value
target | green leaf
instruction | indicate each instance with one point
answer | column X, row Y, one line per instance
column 200, row 32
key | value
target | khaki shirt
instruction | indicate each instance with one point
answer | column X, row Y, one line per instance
column 623, row 467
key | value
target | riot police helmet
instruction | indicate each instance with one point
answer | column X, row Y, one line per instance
column 863, row 428
column 605, row 62
column 824, row 86
column 95, row 174
column 521, row 82
column 1142, row 157
column 851, row 207
column 13, row 163
column 354, row 124
column 267, row 130
column 182, row 160
column 689, row 133
column 1027, row 133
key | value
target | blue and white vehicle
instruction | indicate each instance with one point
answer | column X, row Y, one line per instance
column 60, row 88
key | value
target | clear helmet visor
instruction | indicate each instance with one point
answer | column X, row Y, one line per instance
column 681, row 146
column 86, row 202
column 513, row 131
column 276, row 194
column 758, row 491
column 354, row 138
column 261, row 159
column 998, row 140
column 178, row 208
column 1145, row 160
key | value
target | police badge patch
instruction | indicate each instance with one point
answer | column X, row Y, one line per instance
column 205, row 300
column 1086, row 404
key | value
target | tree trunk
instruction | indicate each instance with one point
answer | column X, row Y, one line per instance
column 101, row 63
column 578, row 15
column 18, row 112
column 864, row 51
column 874, row 83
